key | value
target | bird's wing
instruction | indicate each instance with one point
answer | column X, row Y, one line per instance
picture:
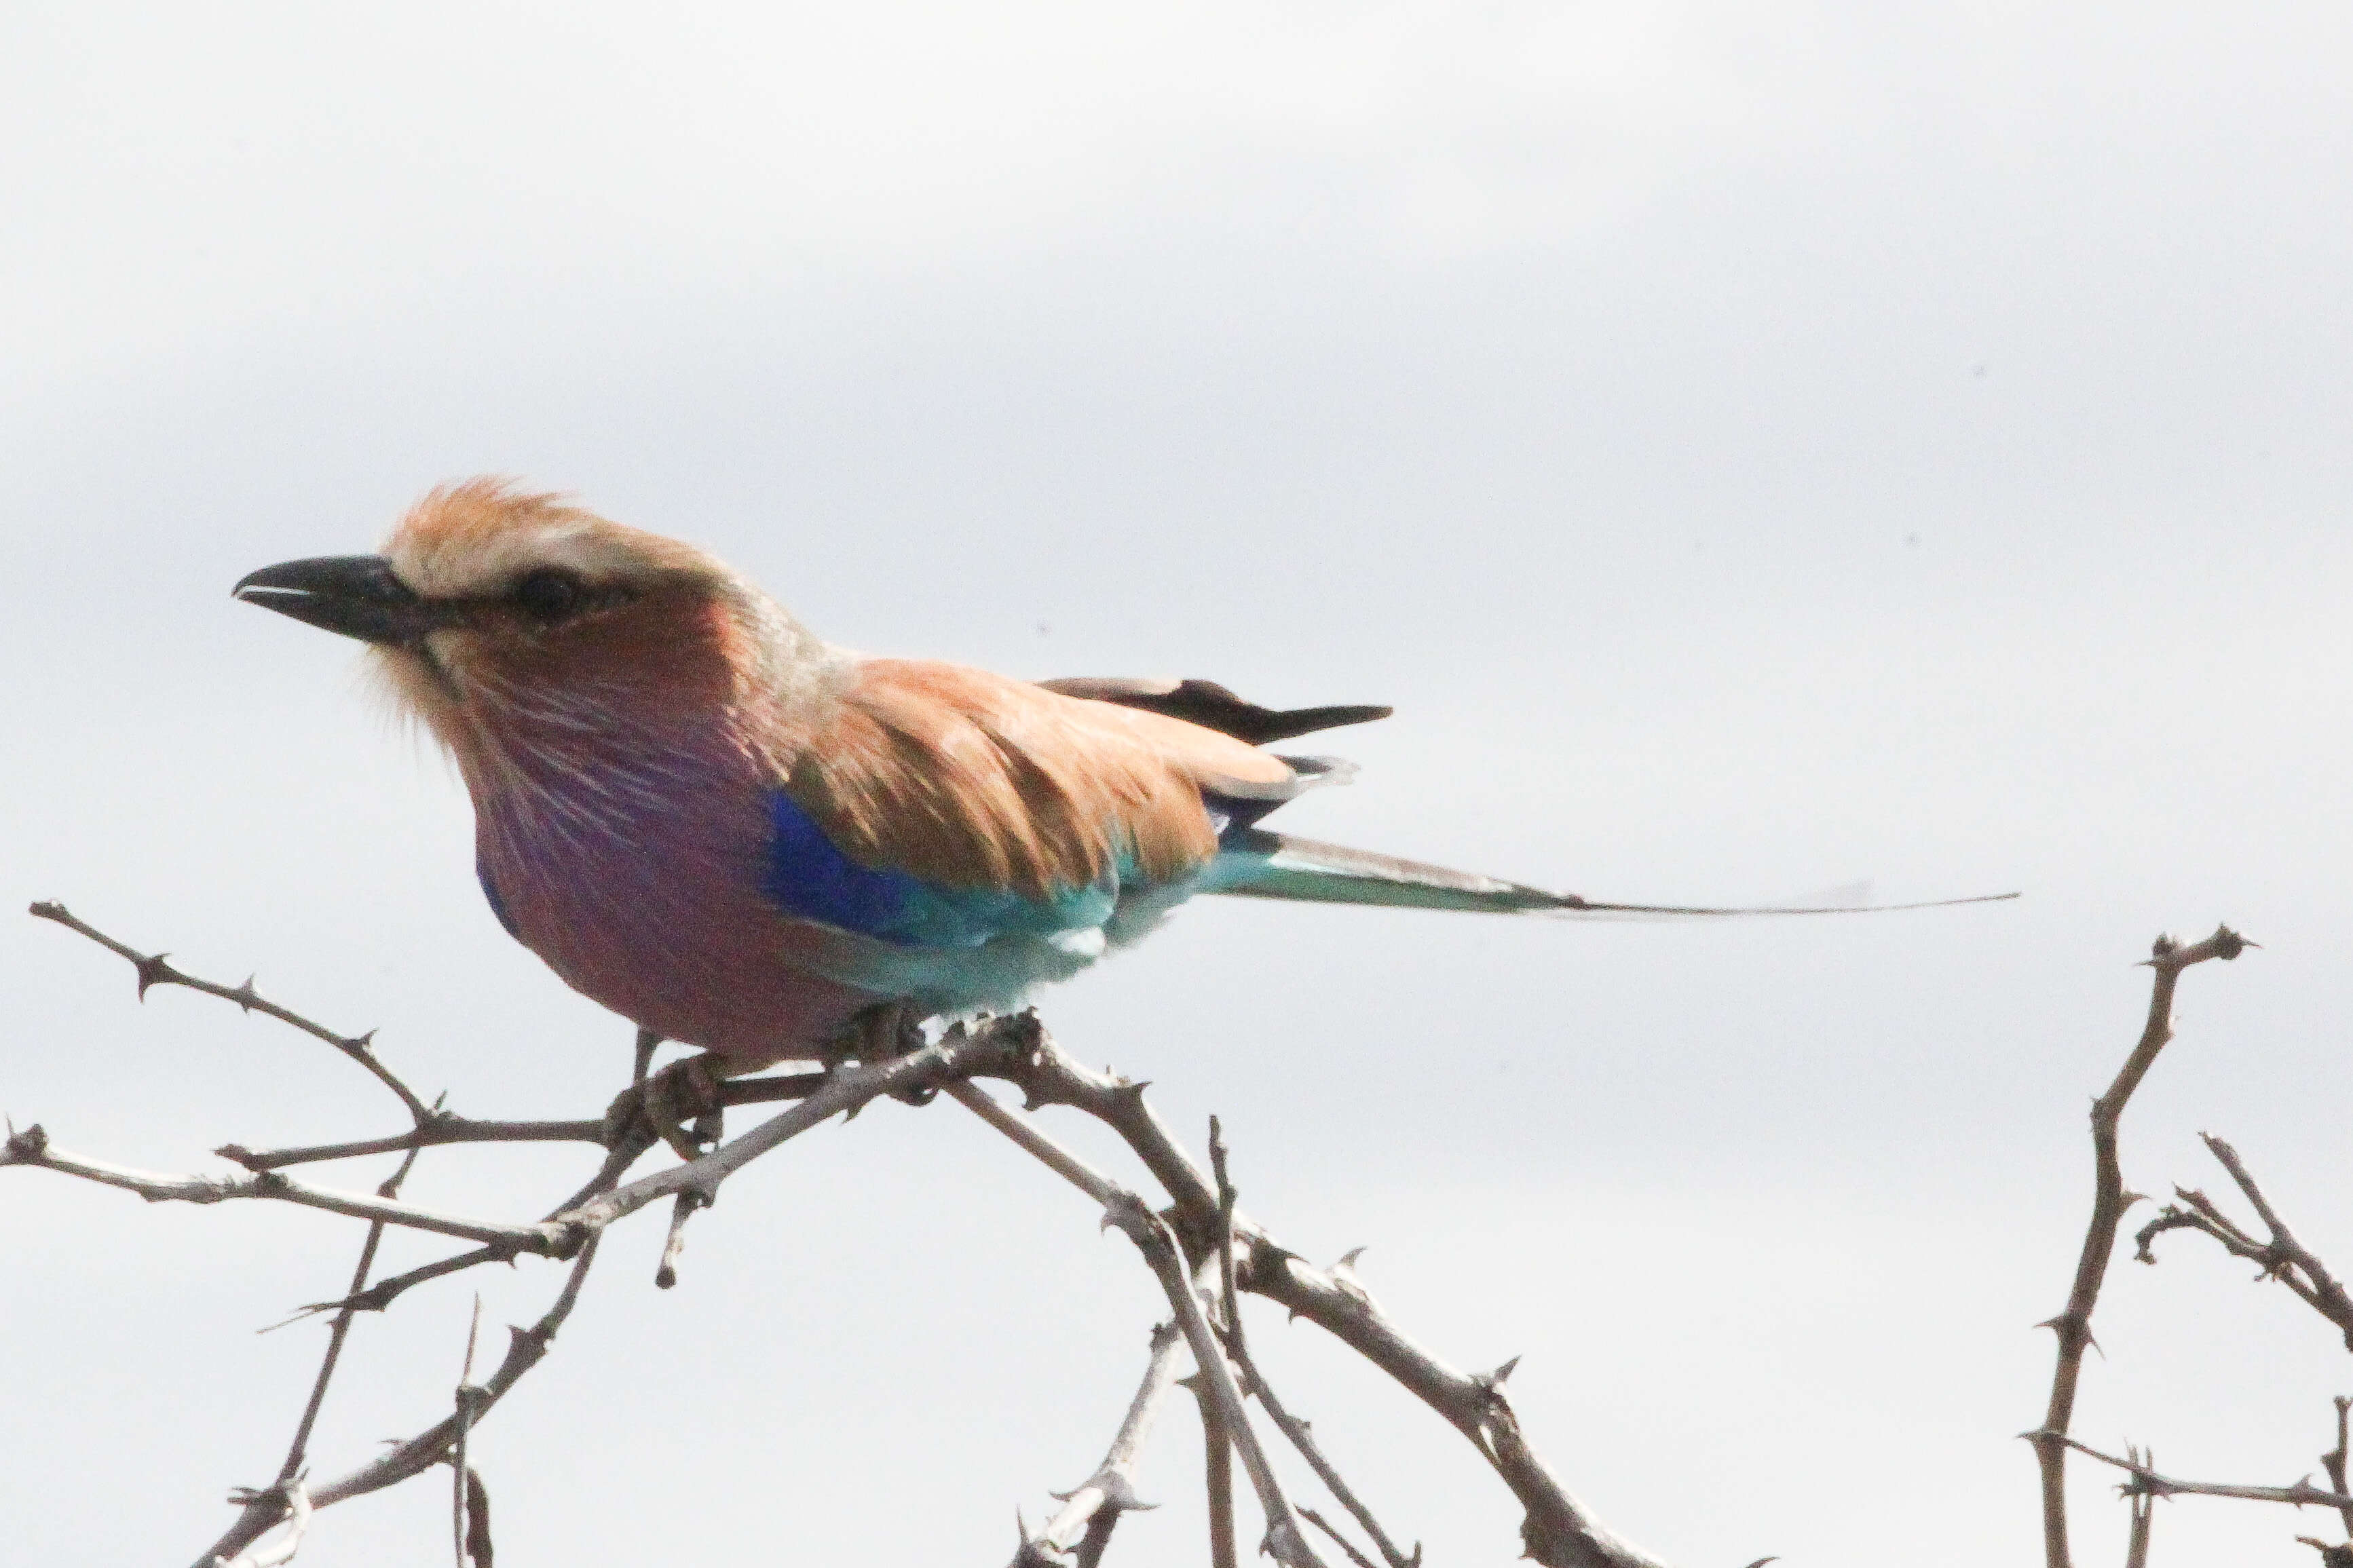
column 1213, row 707
column 973, row 782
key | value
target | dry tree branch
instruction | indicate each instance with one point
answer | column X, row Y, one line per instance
column 32, row 1148
column 1165, row 1255
column 296, row 1517
column 2142, row 1502
column 340, row 1329
column 440, row 1128
column 2073, row 1326
column 1216, row 1475
column 414, row 1456
column 1298, row 1431
column 1092, row 1510
column 1342, row 1541
column 2303, row 1494
column 375, row 1298
column 467, row 1400
column 445, row 1127
column 153, row 971
column 2283, row 1258
column 1557, row 1531
column 2332, row 1462
column 1200, row 1227
column 846, row 1087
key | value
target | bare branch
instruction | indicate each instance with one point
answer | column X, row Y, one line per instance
column 375, row 1298
column 1342, row 1541
column 1154, row 1238
column 443, row 1127
column 468, row 1402
column 2303, row 1494
column 153, row 971
column 1557, row 1531
column 525, row 1349
column 31, row 1147
column 1302, row 1436
column 340, row 1329
column 681, row 1209
column 2287, row 1259
column 295, row 1502
column 2074, row 1324
column 2332, row 1462
column 2143, row 1505
column 993, row 1049
column 1217, row 1474
column 1165, row 1255
column 1110, row 1490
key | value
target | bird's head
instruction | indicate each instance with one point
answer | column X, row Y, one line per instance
column 489, row 604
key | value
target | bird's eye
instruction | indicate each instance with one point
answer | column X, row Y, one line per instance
column 549, row 595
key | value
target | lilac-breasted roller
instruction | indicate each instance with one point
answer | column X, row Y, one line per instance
column 744, row 838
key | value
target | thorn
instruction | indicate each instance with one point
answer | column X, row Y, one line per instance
column 365, row 1044
column 1348, row 1258
column 1494, row 1380
column 245, row 997
column 152, row 972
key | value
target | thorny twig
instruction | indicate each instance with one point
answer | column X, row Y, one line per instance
column 1197, row 1227
column 2282, row 1258
column 2332, row 1462
column 2073, row 1326
column 1090, row 1513
column 340, row 1329
column 1164, row 1254
column 1302, row 1436
column 154, row 970
column 295, row 1499
column 525, row 1348
column 466, row 1401
column 2145, row 1479
column 1556, row 1529
column 1216, row 1475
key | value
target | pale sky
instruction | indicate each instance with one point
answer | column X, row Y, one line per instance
column 1755, row 449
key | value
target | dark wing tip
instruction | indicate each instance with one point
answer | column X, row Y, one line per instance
column 1214, row 707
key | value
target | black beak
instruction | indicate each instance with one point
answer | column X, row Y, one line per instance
column 355, row 594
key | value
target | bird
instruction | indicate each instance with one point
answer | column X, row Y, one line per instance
column 753, row 841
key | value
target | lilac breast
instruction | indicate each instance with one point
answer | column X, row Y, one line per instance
column 632, row 865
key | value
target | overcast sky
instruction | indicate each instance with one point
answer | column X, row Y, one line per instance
column 1756, row 449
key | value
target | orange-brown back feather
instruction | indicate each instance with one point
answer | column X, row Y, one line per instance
column 969, row 779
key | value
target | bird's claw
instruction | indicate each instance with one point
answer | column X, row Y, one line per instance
column 885, row 1030
column 686, row 1090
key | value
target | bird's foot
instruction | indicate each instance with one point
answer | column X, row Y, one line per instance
column 885, row 1030
column 687, row 1090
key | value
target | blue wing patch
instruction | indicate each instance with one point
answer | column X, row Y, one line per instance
column 498, row 904
column 808, row 875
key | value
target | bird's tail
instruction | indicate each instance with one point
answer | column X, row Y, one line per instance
column 1255, row 863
